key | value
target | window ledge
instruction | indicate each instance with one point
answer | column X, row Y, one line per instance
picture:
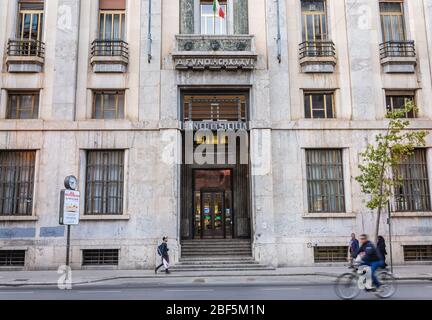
column 330, row 215
column 18, row 218
column 411, row 214
column 104, row 217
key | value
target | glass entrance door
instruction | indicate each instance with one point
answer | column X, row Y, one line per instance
column 212, row 214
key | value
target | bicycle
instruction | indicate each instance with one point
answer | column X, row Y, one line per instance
column 349, row 285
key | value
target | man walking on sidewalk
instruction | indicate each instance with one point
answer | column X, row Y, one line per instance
column 163, row 252
column 352, row 249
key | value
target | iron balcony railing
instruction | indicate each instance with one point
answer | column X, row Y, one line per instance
column 26, row 48
column 110, row 48
column 317, row 48
column 397, row 49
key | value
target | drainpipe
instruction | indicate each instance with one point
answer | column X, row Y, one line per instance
column 149, row 36
column 278, row 39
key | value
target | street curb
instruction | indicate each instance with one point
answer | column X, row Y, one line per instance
column 329, row 275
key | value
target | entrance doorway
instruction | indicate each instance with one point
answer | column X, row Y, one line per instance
column 212, row 203
column 212, row 214
column 215, row 170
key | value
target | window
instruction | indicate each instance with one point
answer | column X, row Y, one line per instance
column 392, row 20
column 418, row 253
column 330, row 254
column 111, row 25
column 211, row 22
column 23, row 105
column 413, row 192
column 221, row 107
column 30, row 20
column 104, row 182
column 398, row 100
column 325, row 186
column 12, row 258
column 100, row 257
column 319, row 105
column 314, row 20
column 16, row 182
column 108, row 105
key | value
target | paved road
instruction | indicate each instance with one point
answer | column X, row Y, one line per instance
column 418, row 291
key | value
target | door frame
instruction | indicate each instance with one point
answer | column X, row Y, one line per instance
column 213, row 191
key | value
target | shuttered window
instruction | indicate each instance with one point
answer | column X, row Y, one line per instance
column 23, row 105
column 412, row 194
column 314, row 20
column 108, row 105
column 392, row 20
column 319, row 105
column 398, row 100
column 104, row 182
column 325, row 186
column 16, row 182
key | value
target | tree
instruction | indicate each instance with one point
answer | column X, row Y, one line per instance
column 377, row 178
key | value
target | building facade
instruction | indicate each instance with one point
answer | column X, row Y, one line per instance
column 134, row 97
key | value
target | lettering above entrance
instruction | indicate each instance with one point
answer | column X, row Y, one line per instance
column 221, row 52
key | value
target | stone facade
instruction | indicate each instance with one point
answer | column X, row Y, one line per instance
column 283, row 232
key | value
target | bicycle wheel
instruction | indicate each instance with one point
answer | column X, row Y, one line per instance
column 346, row 286
column 388, row 284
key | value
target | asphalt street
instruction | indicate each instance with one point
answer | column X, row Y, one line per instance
column 410, row 290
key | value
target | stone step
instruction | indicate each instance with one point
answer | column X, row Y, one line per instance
column 216, row 240
column 231, row 252
column 239, row 268
column 229, row 247
column 215, row 259
column 216, row 249
column 217, row 262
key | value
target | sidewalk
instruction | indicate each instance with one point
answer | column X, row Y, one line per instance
column 319, row 274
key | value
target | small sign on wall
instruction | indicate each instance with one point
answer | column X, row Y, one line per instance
column 69, row 207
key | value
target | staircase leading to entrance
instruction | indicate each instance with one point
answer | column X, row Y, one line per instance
column 217, row 255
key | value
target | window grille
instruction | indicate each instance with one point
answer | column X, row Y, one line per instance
column 100, row 257
column 16, row 182
column 412, row 191
column 12, row 258
column 104, row 182
column 418, row 253
column 330, row 254
column 325, row 185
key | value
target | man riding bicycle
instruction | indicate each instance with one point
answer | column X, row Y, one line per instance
column 370, row 256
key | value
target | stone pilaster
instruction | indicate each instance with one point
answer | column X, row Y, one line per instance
column 187, row 16
column 240, row 12
column 66, row 58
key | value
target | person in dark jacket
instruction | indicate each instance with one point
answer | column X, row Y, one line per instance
column 163, row 251
column 371, row 257
column 381, row 246
column 352, row 249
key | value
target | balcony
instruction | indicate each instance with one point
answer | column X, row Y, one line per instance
column 317, row 56
column 25, row 56
column 109, row 56
column 398, row 56
column 214, row 52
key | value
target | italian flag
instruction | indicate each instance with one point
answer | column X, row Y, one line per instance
column 218, row 9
